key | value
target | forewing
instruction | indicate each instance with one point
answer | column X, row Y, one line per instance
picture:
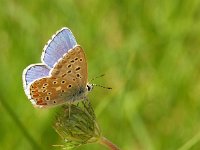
column 73, row 67
column 60, row 43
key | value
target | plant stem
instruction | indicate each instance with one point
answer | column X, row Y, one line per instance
column 108, row 143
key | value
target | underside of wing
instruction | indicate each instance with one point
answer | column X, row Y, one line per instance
column 73, row 67
column 34, row 72
column 47, row 92
column 66, row 81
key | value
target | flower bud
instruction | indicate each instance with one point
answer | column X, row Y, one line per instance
column 77, row 125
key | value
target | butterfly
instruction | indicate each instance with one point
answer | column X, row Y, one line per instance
column 61, row 77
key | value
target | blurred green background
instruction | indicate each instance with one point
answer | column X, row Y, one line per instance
column 149, row 51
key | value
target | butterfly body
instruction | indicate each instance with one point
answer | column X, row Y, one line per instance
column 62, row 75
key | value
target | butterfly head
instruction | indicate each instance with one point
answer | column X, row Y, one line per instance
column 89, row 87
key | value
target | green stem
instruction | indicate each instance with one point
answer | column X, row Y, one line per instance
column 189, row 144
column 108, row 143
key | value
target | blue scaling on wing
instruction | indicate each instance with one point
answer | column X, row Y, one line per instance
column 34, row 72
column 60, row 43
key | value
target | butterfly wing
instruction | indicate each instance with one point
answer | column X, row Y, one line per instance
column 34, row 72
column 60, row 43
column 67, row 82
column 73, row 67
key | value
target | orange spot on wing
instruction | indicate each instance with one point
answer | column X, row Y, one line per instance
column 35, row 95
column 41, row 102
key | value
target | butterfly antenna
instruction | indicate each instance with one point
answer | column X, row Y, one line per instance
column 97, row 77
column 102, row 86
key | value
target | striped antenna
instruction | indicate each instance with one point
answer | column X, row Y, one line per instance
column 97, row 77
column 98, row 84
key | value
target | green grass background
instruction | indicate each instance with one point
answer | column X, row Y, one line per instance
column 148, row 49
